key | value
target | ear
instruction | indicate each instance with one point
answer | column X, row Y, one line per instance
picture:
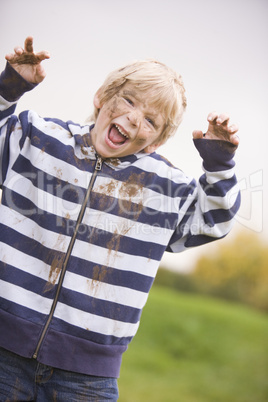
column 152, row 148
column 96, row 100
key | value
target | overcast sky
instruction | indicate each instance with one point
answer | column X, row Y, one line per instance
column 219, row 47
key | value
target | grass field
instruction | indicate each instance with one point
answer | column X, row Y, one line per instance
column 196, row 349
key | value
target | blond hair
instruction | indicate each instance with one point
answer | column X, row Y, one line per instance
column 163, row 87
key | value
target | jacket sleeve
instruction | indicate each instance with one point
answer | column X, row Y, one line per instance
column 209, row 207
column 12, row 87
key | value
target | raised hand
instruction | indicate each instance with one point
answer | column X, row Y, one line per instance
column 219, row 128
column 27, row 62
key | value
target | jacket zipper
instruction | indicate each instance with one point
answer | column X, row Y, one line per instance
column 98, row 167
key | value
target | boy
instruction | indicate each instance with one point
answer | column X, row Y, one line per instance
column 86, row 215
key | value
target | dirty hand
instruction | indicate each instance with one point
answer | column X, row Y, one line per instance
column 28, row 63
column 219, row 129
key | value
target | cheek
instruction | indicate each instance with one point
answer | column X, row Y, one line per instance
column 115, row 107
column 147, row 138
column 141, row 141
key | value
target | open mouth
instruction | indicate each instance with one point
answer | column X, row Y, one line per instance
column 117, row 136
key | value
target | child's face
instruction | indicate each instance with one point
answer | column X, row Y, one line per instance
column 126, row 124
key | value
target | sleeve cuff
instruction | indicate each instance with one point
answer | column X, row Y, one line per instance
column 13, row 85
column 217, row 155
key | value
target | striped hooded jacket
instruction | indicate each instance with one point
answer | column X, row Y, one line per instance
column 81, row 238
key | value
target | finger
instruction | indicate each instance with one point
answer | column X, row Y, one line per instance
column 223, row 119
column 9, row 56
column 233, row 129
column 28, row 44
column 40, row 73
column 197, row 134
column 43, row 55
column 18, row 50
column 234, row 139
column 212, row 117
column 13, row 57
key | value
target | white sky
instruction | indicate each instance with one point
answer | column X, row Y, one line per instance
column 219, row 47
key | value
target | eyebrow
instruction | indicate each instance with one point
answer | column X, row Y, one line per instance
column 131, row 93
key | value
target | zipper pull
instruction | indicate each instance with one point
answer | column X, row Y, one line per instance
column 98, row 165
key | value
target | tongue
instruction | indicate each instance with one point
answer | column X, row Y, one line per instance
column 116, row 137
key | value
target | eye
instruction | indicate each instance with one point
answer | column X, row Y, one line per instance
column 150, row 121
column 129, row 101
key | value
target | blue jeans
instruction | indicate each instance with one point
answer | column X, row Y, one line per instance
column 27, row 380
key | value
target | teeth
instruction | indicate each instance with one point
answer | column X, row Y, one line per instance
column 120, row 131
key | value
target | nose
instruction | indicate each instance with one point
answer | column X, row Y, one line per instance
column 134, row 118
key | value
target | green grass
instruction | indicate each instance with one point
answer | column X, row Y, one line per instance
column 196, row 349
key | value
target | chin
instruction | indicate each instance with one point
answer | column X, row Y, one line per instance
column 106, row 154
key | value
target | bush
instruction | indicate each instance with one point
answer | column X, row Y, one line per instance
column 235, row 270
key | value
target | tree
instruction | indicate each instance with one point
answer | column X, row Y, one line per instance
column 237, row 270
